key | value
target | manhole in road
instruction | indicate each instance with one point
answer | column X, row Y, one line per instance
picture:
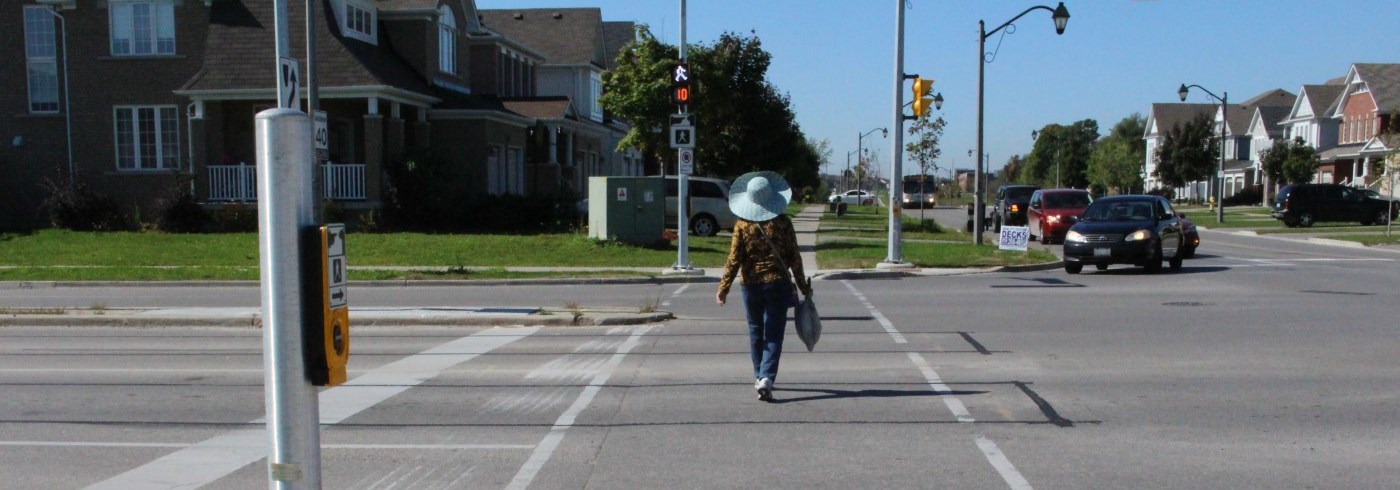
column 1187, row 303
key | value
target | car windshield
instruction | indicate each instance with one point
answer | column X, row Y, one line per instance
column 1371, row 194
column 1119, row 211
column 1020, row 193
column 1067, row 200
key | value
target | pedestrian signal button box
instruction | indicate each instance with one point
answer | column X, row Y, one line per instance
column 329, row 341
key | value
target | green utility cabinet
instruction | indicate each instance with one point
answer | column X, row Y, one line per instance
column 627, row 209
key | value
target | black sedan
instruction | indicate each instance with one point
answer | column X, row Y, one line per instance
column 1138, row 230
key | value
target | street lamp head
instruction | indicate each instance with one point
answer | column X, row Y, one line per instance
column 938, row 101
column 1182, row 92
column 1061, row 17
column 884, row 132
column 1035, row 134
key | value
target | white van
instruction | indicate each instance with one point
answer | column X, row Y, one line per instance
column 709, row 205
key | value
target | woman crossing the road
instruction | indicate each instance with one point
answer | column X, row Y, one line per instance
column 763, row 250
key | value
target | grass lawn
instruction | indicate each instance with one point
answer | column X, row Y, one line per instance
column 1235, row 217
column 1381, row 239
column 1325, row 228
column 160, row 256
column 850, row 254
column 216, row 273
column 871, row 222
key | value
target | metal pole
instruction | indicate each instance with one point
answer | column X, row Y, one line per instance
column 683, row 186
column 1390, row 207
column 284, row 150
column 860, row 159
column 312, row 101
column 1220, row 172
column 978, row 204
column 897, row 145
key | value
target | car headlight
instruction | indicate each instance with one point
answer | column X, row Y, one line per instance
column 1138, row 236
column 1074, row 236
column 1015, row 208
column 1053, row 218
column 907, row 199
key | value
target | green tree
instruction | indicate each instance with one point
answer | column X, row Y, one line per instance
column 638, row 91
column 1188, row 152
column 1115, row 165
column 1062, row 149
column 1290, row 163
column 923, row 147
column 1013, row 168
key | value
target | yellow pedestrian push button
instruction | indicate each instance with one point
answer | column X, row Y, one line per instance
column 330, row 347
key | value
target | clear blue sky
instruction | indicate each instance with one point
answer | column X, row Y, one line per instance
column 835, row 58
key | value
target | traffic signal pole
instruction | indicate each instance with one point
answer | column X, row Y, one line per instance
column 683, row 185
column 894, row 258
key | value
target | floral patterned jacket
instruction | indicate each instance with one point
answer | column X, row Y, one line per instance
column 752, row 258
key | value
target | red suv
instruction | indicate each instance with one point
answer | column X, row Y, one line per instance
column 1050, row 209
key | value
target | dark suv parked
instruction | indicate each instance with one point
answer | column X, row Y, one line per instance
column 1305, row 204
column 1010, row 209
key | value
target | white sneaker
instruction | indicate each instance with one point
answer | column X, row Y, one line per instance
column 764, row 387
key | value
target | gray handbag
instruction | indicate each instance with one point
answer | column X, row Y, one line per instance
column 808, row 323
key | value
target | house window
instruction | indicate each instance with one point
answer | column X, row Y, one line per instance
column 595, row 92
column 359, row 22
column 147, row 137
column 40, row 52
column 447, row 40
column 515, row 161
column 142, row 28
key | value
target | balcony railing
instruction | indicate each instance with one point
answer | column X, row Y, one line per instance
column 341, row 182
column 233, row 182
column 344, row 181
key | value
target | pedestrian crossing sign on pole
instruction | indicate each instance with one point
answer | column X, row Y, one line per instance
column 682, row 136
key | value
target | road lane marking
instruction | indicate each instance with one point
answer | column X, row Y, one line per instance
column 545, row 449
column 879, row 317
column 934, row 381
column 674, row 295
column 1003, row 466
column 210, row 460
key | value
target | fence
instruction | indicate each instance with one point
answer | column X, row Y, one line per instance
column 341, row 182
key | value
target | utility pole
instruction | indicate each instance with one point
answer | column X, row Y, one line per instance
column 894, row 258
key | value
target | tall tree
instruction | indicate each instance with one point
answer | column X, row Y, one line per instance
column 638, row 91
column 744, row 122
column 1115, row 165
column 1188, row 152
column 1064, row 150
column 1290, row 163
column 1013, row 168
column 923, row 147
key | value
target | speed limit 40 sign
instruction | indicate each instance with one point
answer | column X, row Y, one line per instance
column 685, row 161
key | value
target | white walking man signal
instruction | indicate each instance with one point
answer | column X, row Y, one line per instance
column 682, row 75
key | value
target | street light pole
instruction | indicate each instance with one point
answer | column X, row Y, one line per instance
column 860, row 137
column 1219, row 180
column 1060, row 15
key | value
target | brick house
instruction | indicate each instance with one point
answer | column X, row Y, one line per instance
column 164, row 92
column 1369, row 102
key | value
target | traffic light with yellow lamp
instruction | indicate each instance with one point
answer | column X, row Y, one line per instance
column 922, row 102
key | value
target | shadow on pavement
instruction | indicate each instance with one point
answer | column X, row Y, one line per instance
column 836, row 394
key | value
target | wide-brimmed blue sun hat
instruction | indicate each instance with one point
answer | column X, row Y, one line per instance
column 759, row 196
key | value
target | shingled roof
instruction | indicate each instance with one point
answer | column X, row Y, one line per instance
column 240, row 48
column 568, row 36
column 616, row 35
column 543, row 108
column 1321, row 97
column 1170, row 115
column 1384, row 82
column 1270, row 117
column 1271, row 98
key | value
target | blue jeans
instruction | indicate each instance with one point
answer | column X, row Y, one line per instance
column 766, row 308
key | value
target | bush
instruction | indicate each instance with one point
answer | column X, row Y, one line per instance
column 235, row 218
column 1249, row 196
column 180, row 212
column 79, row 208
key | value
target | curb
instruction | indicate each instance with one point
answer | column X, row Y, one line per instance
column 399, row 283
column 550, row 319
column 1030, row 267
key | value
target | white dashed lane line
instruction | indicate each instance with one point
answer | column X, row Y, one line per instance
column 675, row 295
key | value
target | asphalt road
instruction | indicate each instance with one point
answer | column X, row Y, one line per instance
column 1264, row 363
